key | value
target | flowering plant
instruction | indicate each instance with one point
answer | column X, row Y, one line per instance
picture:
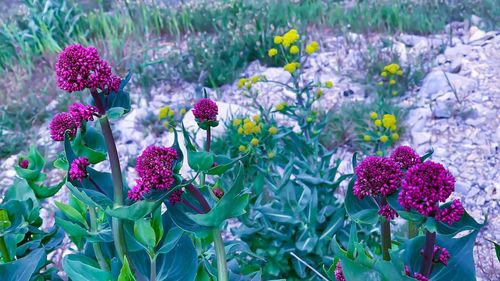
column 120, row 232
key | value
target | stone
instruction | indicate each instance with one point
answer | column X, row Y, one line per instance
column 476, row 33
column 437, row 82
column 442, row 110
column 458, row 51
column 421, row 138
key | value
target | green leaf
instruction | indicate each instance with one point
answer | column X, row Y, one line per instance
column 427, row 155
column 232, row 204
column 71, row 213
column 137, row 210
column 4, row 220
column 497, row 250
column 125, row 272
column 24, row 268
column 91, row 198
column 82, row 268
column 430, row 224
column 223, row 164
column 361, row 211
column 43, row 191
column 116, row 112
column 144, row 233
column 157, row 224
column 200, row 160
column 92, row 146
column 70, row 228
column 173, row 236
column 36, row 164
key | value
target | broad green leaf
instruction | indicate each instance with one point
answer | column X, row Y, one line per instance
column 83, row 148
column 277, row 215
column 157, row 224
column 4, row 220
column 200, row 160
column 144, row 233
column 23, row 269
column 71, row 213
column 90, row 197
column 497, row 250
column 173, row 236
column 116, row 112
column 223, row 164
column 36, row 164
column 125, row 272
column 43, row 191
column 82, row 268
column 70, row 228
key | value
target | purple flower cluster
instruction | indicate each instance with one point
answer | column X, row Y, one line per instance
column 218, row 192
column 78, row 68
column 388, row 212
column 205, row 110
column 175, row 197
column 61, row 123
column 24, row 164
column 452, row 213
column 339, row 274
column 406, row 157
column 424, row 186
column 439, row 255
column 81, row 112
column 377, row 176
column 78, row 169
column 70, row 121
column 154, row 167
column 416, row 275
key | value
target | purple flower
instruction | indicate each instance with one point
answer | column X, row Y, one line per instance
column 444, row 256
column 81, row 112
column 407, row 270
column 78, row 68
column 24, row 164
column 175, row 197
column 420, row 277
column 405, row 156
column 205, row 110
column 218, row 192
column 424, row 186
column 339, row 274
column 377, row 176
column 388, row 212
column 78, row 169
column 452, row 213
column 61, row 123
column 154, row 167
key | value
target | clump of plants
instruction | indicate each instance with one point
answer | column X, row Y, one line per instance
column 162, row 227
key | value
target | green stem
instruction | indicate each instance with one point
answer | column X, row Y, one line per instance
column 116, row 174
column 385, row 229
column 430, row 239
column 97, row 247
column 220, row 252
column 153, row 268
column 412, row 230
column 3, row 250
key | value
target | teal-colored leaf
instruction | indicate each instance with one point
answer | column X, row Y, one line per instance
column 173, row 236
column 144, row 233
column 72, row 214
column 361, row 211
column 200, row 160
column 125, row 272
column 23, row 269
column 82, row 268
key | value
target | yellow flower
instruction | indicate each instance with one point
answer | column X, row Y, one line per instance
column 256, row 118
column 399, row 73
column 394, row 128
column 242, row 148
column 312, row 47
column 319, row 93
column 236, row 122
column 290, row 67
column 394, row 93
column 270, row 154
column 165, row 112
column 272, row 52
column 389, row 120
column 242, row 82
column 367, row 138
column 378, row 122
column 290, row 37
column 166, row 124
column 254, row 142
column 383, row 74
column 392, row 82
column 384, row 138
column 240, row 130
column 395, row 136
column 380, row 153
column 278, row 39
column 373, row 115
column 392, row 68
column 246, row 120
column 329, row 84
column 294, row 50
column 182, row 111
column 309, row 119
column 281, row 106
column 273, row 130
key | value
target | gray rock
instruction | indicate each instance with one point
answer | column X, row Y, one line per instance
column 442, row 109
column 457, row 51
column 436, row 82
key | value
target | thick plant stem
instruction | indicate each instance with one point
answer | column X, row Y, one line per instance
column 96, row 246
column 385, row 230
column 152, row 276
column 3, row 250
column 116, row 174
column 430, row 240
column 412, row 230
column 220, row 252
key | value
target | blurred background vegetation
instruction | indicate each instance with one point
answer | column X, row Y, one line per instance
column 206, row 42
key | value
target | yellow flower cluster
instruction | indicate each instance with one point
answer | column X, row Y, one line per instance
column 272, row 52
column 165, row 112
column 249, row 126
column 248, row 82
column 387, row 122
column 291, row 67
column 329, row 84
column 288, row 38
column 392, row 68
column 312, row 47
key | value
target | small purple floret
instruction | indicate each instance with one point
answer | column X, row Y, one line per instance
column 61, row 123
column 406, row 157
column 377, row 176
column 452, row 213
column 78, row 169
column 205, row 110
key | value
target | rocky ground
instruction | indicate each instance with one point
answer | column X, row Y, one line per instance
column 455, row 111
